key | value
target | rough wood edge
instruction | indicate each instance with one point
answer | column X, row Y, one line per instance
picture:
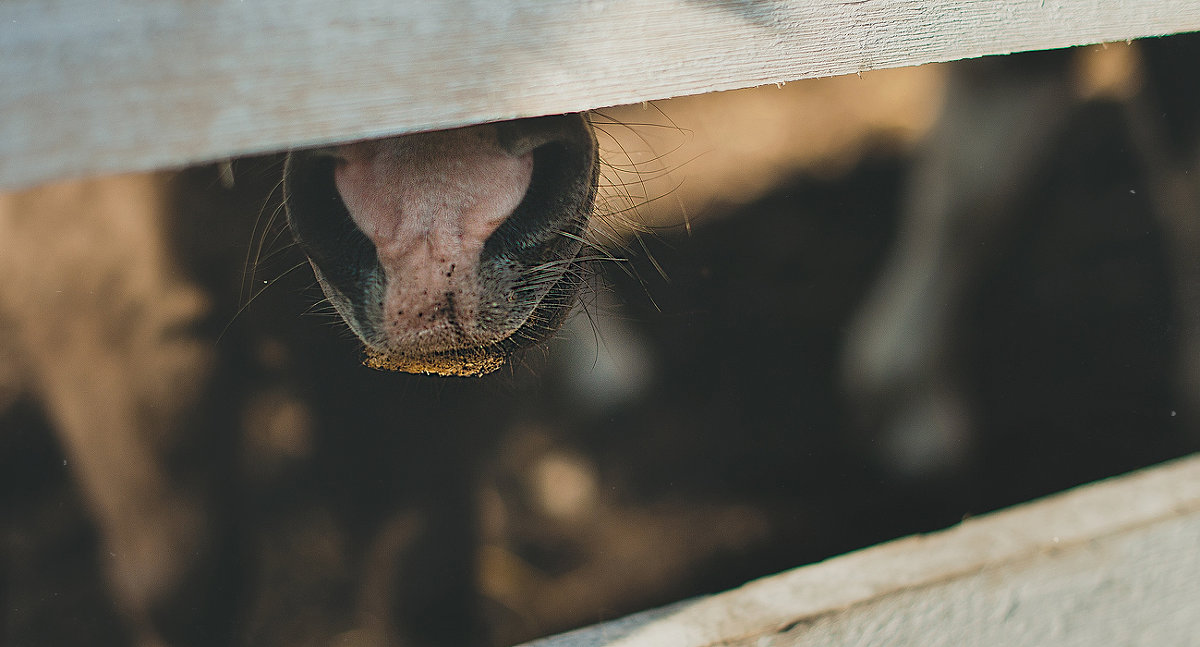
column 1055, row 526
column 104, row 86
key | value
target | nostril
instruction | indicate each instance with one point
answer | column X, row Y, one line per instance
column 531, row 233
column 318, row 218
column 528, row 135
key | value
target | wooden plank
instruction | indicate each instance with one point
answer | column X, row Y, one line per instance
column 101, row 86
column 1114, row 563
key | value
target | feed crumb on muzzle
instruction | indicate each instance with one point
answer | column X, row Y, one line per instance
column 467, row 362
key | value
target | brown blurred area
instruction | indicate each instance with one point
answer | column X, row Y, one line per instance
column 191, row 452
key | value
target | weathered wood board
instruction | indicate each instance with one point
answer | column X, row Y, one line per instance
column 101, row 86
column 1113, row 563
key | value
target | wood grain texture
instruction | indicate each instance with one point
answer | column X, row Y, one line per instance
column 101, row 86
column 1114, row 563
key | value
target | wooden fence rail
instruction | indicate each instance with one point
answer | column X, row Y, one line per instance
column 1114, row 563
column 103, row 86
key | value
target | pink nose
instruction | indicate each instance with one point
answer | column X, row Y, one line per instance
column 428, row 203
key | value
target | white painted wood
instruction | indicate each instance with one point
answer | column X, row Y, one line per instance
column 1114, row 563
column 100, row 86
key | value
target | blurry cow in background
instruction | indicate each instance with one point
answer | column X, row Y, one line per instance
column 99, row 328
column 1120, row 123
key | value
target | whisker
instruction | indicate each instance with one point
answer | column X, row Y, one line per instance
column 255, row 296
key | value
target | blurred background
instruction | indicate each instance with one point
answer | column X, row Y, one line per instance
column 839, row 311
